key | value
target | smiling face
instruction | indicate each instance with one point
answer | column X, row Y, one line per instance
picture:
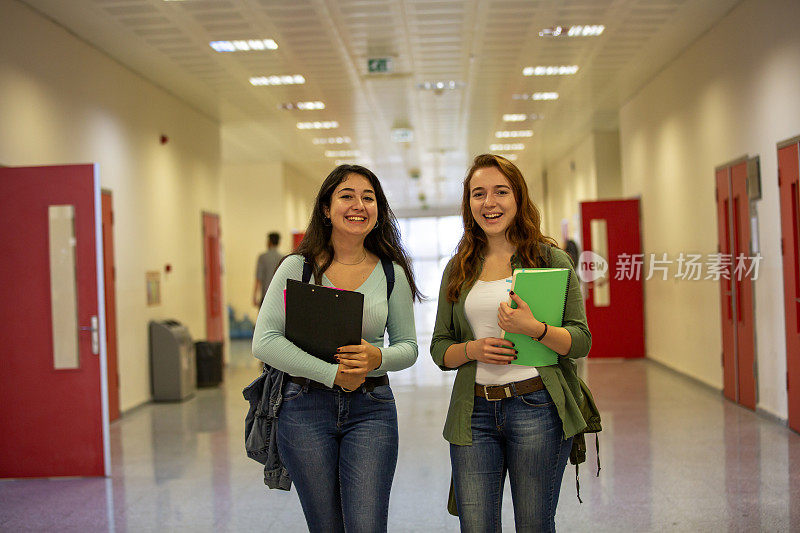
column 353, row 209
column 492, row 201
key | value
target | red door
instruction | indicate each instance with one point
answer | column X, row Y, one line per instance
column 614, row 298
column 736, row 293
column 729, row 377
column 109, row 269
column 213, row 277
column 297, row 238
column 789, row 185
column 52, row 381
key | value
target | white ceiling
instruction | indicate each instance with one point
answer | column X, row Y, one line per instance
column 482, row 44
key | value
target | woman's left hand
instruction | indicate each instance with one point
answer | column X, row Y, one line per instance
column 359, row 358
column 519, row 320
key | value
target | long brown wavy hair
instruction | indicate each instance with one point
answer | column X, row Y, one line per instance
column 524, row 232
column 383, row 241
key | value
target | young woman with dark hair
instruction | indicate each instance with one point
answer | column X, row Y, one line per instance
column 337, row 424
column 505, row 418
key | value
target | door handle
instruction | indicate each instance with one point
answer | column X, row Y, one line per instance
column 95, row 330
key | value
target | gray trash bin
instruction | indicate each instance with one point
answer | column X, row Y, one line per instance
column 173, row 371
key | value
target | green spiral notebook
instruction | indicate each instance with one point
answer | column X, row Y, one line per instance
column 545, row 292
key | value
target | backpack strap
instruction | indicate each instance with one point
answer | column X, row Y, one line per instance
column 388, row 270
column 306, row 270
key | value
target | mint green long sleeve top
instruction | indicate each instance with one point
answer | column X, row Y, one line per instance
column 395, row 317
column 560, row 380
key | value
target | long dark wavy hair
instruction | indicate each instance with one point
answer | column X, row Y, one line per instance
column 524, row 232
column 383, row 240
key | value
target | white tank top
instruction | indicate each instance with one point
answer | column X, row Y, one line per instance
column 481, row 307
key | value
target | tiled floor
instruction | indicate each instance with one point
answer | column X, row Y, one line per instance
column 675, row 457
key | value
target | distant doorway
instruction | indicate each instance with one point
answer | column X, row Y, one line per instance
column 736, row 292
column 611, row 230
column 110, row 270
column 213, row 277
column 789, row 185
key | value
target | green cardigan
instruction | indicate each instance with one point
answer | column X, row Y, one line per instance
column 561, row 380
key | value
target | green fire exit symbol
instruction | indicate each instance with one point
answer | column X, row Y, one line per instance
column 379, row 65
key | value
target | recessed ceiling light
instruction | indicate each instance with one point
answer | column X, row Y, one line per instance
column 508, row 134
column 342, row 153
column 573, row 31
column 536, row 96
column 294, row 79
column 331, row 140
column 553, row 70
column 243, row 45
column 439, row 86
column 317, row 125
column 506, row 147
column 303, row 105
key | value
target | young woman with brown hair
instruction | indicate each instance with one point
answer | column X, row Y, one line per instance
column 505, row 418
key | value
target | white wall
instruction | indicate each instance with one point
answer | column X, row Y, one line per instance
column 63, row 102
column 733, row 92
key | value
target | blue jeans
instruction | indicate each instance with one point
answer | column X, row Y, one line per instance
column 340, row 450
column 523, row 436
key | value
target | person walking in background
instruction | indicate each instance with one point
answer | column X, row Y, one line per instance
column 505, row 418
column 265, row 267
column 337, row 424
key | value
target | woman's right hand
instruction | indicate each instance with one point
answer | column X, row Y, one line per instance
column 348, row 380
column 492, row 350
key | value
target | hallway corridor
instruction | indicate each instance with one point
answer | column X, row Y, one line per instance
column 674, row 455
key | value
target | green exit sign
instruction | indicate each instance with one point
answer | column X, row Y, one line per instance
column 379, row 65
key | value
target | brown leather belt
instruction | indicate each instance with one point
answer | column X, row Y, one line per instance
column 369, row 384
column 515, row 388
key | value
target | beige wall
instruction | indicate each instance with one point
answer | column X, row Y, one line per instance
column 63, row 102
column 571, row 179
column 253, row 205
column 259, row 198
column 733, row 92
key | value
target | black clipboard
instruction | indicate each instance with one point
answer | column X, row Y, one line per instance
column 321, row 319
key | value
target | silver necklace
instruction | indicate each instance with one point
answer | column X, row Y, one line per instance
column 352, row 264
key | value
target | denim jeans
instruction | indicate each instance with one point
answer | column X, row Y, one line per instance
column 340, row 449
column 523, row 436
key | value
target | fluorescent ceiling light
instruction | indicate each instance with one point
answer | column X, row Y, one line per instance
column 508, row 134
column 243, row 45
column 342, row 153
column 506, row 147
column 317, row 125
column 519, row 117
column 536, row 96
column 510, row 157
column 303, row 105
column 586, row 31
column 331, row 140
column 294, row 79
column 573, row 31
column 554, row 70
